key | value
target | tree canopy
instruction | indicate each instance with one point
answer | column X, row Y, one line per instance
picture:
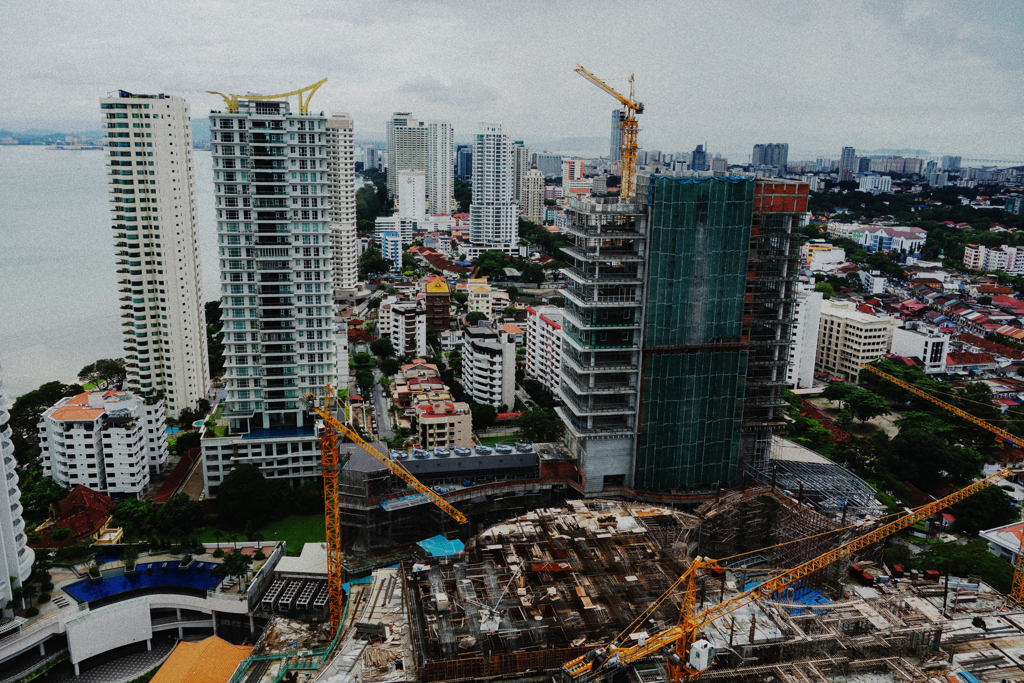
column 540, row 425
column 382, row 348
column 179, row 518
column 246, row 495
column 103, row 369
column 475, row 317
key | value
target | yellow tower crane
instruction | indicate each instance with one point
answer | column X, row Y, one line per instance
column 627, row 126
column 232, row 100
column 688, row 652
column 331, row 463
column 1017, row 589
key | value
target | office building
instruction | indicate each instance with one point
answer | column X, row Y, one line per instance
column 926, row 344
column 493, row 216
column 520, row 167
column 863, row 164
column 109, row 441
column 533, row 204
column 549, row 164
column 16, row 557
column 544, row 345
column 848, row 163
column 771, row 154
column 341, row 175
column 806, row 321
column 414, row 145
column 848, row 338
column 573, row 181
column 615, row 151
column 699, row 159
column 700, row 296
column 277, row 284
column 156, row 240
column 412, row 194
column 440, row 167
column 438, row 299
column 489, row 366
column 464, row 162
column 951, row 164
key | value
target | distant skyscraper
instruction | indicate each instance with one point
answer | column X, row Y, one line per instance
column 440, row 166
column 521, row 164
column 615, row 153
column 699, row 159
column 277, row 285
column 951, row 164
column 771, row 154
column 848, row 163
column 16, row 557
column 493, row 214
column 549, row 164
column 863, row 164
column 153, row 210
column 415, row 145
column 464, row 164
column 342, row 177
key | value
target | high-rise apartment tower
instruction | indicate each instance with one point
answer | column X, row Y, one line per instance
column 16, row 557
column 493, row 216
column 848, row 163
column 341, row 176
column 156, row 241
column 615, row 152
column 427, row 146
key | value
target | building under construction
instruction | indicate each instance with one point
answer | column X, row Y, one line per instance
column 677, row 329
column 533, row 592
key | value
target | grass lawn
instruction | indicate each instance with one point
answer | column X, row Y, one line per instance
column 492, row 440
column 296, row 530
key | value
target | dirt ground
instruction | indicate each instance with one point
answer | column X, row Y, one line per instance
column 887, row 423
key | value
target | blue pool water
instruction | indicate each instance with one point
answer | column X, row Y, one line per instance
column 108, row 556
column 86, row 591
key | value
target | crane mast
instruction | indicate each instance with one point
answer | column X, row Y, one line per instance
column 627, row 127
column 331, row 463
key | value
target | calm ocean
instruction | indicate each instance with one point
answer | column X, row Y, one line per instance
column 58, row 296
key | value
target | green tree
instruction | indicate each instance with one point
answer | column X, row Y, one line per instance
column 490, row 261
column 59, row 534
column 986, row 509
column 364, row 378
column 985, row 300
column 475, row 317
column 866, row 404
column 826, row 289
column 460, row 298
column 214, row 340
column 539, row 425
column 362, row 359
column 38, row 493
column 234, row 564
column 25, row 414
column 179, row 518
column 484, row 415
column 513, row 293
column 533, row 272
column 385, row 383
column 135, row 517
column 389, row 367
column 963, row 560
column 246, row 495
column 104, row 369
column 382, row 348
column 372, row 261
column 838, row 392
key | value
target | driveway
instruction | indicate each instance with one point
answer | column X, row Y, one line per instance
column 380, row 403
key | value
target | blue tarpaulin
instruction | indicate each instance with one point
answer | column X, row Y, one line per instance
column 439, row 546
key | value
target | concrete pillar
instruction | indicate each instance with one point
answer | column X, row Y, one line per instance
column 76, row 668
column 149, row 645
column 252, row 624
column 213, row 615
column 42, row 648
column 181, row 633
column 178, row 613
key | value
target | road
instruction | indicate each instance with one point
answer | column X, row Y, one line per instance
column 380, row 404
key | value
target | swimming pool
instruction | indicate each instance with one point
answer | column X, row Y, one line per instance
column 86, row 591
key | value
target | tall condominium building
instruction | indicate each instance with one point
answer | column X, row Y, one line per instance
column 533, row 199
column 440, row 167
column 848, row 163
column 412, row 194
column 427, row 146
column 615, row 151
column 544, row 345
column 153, row 211
column 272, row 189
column 493, row 217
column 771, row 154
column 951, row 164
column 16, row 557
column 677, row 329
column 520, row 167
column 341, row 174
column 489, row 366
column 110, row 441
column 464, row 162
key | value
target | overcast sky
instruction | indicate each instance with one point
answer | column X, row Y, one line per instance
column 942, row 76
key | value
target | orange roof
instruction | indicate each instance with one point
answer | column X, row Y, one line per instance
column 77, row 409
column 209, row 661
column 512, row 329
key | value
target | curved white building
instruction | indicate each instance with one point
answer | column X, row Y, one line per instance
column 16, row 558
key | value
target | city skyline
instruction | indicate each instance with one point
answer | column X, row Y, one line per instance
column 914, row 75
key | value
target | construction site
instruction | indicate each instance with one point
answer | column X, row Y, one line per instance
column 529, row 595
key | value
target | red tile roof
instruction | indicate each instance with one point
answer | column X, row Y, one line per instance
column 969, row 359
column 84, row 511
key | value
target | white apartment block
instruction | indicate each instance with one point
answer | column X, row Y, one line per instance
column 407, row 328
column 533, row 196
column 806, row 323
column 493, row 215
column 444, row 424
column 876, row 184
column 917, row 341
column 412, row 194
column 479, row 296
column 544, row 345
column 153, row 212
column 440, row 167
column 16, row 557
column 272, row 197
column 109, row 441
column 489, row 366
column 848, row 338
column 819, row 256
column 341, row 175
column 1003, row 258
